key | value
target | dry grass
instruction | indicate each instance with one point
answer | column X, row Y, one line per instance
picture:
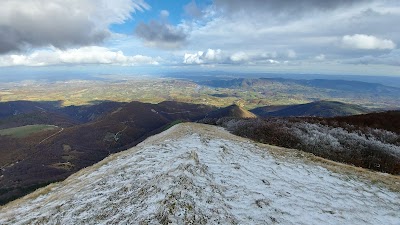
column 392, row 182
column 63, row 166
column 388, row 181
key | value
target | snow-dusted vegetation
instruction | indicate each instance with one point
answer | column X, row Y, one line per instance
column 367, row 147
column 198, row 174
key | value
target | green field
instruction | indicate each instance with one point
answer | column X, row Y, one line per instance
column 24, row 131
column 249, row 94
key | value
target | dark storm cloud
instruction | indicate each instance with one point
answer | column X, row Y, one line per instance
column 161, row 35
column 17, row 38
column 9, row 39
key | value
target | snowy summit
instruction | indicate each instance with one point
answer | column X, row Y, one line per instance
column 201, row 174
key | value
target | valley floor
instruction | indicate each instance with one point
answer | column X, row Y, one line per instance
column 201, row 174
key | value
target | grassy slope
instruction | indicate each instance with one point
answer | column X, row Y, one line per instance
column 48, row 159
column 24, row 131
column 231, row 111
column 319, row 109
column 201, row 174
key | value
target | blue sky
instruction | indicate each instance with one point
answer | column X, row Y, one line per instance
column 175, row 9
column 284, row 36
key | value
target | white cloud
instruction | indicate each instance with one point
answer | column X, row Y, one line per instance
column 60, row 23
column 320, row 57
column 239, row 57
column 213, row 55
column 164, row 13
column 217, row 56
column 271, row 61
column 208, row 57
column 368, row 42
column 255, row 27
column 79, row 56
column 292, row 54
column 269, row 55
column 193, row 58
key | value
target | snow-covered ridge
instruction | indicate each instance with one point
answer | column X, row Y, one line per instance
column 201, row 174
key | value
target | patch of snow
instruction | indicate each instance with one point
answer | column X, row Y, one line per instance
column 205, row 176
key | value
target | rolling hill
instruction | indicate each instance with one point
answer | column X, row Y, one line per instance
column 199, row 174
column 317, row 109
column 283, row 91
column 231, row 111
column 48, row 156
column 83, row 135
column 13, row 108
column 21, row 113
column 389, row 120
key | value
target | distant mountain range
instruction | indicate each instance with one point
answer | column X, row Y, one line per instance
column 391, row 81
column 356, row 92
column 341, row 85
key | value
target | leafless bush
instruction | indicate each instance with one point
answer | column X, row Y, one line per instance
column 370, row 148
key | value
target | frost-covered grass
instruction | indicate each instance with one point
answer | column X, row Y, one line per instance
column 198, row 174
column 369, row 148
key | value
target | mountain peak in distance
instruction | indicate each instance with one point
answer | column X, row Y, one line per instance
column 231, row 111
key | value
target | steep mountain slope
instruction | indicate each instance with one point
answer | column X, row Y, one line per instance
column 231, row 111
column 201, row 174
column 389, row 120
column 53, row 155
column 88, row 113
column 21, row 113
column 19, row 107
column 318, row 108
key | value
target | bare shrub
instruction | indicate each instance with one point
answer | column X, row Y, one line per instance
column 371, row 148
